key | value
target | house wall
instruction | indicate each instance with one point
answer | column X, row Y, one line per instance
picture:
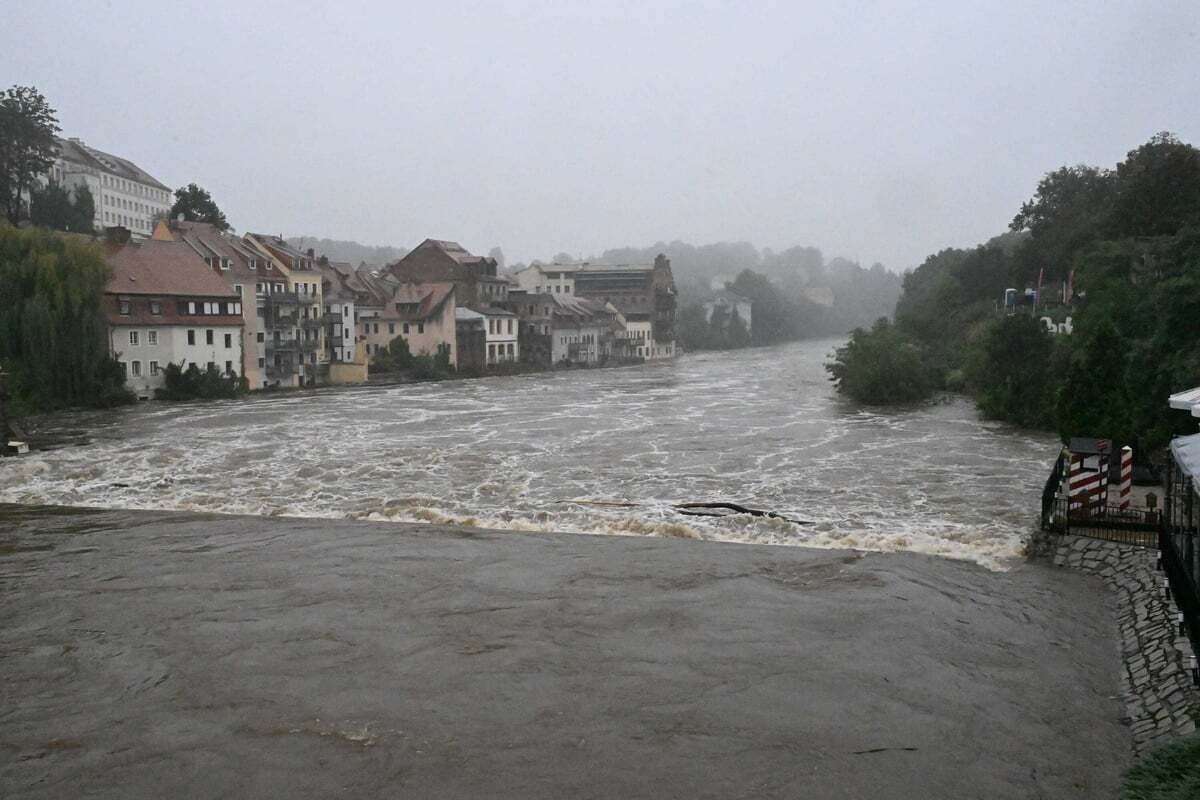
column 437, row 331
column 502, row 339
column 171, row 347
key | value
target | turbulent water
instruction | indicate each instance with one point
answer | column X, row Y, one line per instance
column 567, row 451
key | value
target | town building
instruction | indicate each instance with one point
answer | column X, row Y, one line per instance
column 502, row 335
column 297, row 304
column 642, row 293
column 475, row 278
column 423, row 314
column 583, row 331
column 548, row 278
column 125, row 195
column 166, row 306
column 253, row 279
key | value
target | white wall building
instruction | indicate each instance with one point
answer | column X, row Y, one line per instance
column 165, row 305
column 501, row 328
column 548, row 278
column 124, row 193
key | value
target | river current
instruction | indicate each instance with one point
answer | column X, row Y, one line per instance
column 589, row 451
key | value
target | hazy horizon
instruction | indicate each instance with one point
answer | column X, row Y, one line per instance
column 877, row 133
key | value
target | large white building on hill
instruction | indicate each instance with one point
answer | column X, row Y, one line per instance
column 124, row 193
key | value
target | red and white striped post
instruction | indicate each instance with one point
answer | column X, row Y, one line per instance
column 1083, row 486
column 1126, row 477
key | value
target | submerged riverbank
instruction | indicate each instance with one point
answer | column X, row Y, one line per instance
column 152, row 654
column 763, row 428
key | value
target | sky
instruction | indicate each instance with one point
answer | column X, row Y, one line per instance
column 878, row 131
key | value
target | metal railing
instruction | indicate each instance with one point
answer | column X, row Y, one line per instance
column 1111, row 523
column 1181, row 562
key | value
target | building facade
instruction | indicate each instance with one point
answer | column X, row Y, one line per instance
column 166, row 306
column 125, row 195
column 296, row 308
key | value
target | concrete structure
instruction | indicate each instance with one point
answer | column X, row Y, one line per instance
column 302, row 294
column 124, row 193
column 318, row 658
column 165, row 305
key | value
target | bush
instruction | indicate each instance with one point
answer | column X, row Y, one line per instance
column 192, row 384
column 1169, row 773
column 882, row 366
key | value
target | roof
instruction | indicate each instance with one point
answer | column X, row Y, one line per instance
column 300, row 262
column 207, row 241
column 1087, row 445
column 467, row 315
column 454, row 250
column 1187, row 401
column 1186, row 450
column 429, row 296
column 157, row 267
column 76, row 151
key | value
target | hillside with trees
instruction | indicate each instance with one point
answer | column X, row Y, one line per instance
column 349, row 251
column 1124, row 243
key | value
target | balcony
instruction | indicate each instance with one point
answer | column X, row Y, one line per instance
column 281, row 345
column 281, row 299
column 283, row 321
column 307, row 345
column 339, row 341
column 331, row 318
column 311, row 324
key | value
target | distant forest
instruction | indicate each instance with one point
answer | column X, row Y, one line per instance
column 351, row 252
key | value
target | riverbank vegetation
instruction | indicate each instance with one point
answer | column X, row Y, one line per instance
column 52, row 323
column 1123, row 245
column 397, row 359
column 1170, row 773
column 195, row 384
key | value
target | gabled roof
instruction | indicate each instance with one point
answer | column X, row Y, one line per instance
column 163, row 268
column 453, row 249
column 76, row 151
column 428, row 297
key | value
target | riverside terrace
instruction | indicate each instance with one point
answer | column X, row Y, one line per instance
column 151, row 654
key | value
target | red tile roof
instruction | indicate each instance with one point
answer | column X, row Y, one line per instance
column 162, row 268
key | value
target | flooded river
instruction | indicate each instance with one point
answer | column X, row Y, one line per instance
column 602, row 451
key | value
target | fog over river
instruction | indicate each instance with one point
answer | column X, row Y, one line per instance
column 759, row 427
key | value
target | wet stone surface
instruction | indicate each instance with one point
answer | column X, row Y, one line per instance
column 1160, row 697
column 167, row 654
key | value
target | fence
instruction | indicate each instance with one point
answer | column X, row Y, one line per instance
column 1179, row 561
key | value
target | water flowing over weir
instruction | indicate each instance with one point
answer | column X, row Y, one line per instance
column 761, row 427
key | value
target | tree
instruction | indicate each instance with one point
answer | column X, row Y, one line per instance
column 1157, row 188
column 1014, row 373
column 52, row 206
column 53, row 322
column 28, row 126
column 1068, row 212
column 881, row 366
column 197, row 205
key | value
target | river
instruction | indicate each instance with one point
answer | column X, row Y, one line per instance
column 568, row 451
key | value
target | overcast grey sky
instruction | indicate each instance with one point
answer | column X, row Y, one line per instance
column 881, row 131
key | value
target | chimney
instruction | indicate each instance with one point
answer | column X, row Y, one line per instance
column 117, row 234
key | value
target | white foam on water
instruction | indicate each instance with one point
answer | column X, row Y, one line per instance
column 504, row 453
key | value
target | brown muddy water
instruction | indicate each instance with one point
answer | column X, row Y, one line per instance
column 603, row 451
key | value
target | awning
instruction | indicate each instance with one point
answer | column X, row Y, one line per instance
column 1186, row 450
column 1187, row 401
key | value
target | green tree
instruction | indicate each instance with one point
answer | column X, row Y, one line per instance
column 197, row 205
column 396, row 356
column 53, row 206
column 1013, row 374
column 1067, row 213
column 28, row 126
column 53, row 323
column 1157, row 189
column 881, row 366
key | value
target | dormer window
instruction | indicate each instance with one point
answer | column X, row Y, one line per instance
column 155, row 307
column 126, row 308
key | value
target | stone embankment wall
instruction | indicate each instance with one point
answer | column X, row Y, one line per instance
column 1156, row 681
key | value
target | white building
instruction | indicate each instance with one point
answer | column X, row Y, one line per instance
column 124, row 193
column 501, row 328
column 548, row 278
column 165, row 305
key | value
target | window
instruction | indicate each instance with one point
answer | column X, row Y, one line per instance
column 135, row 369
column 237, row 289
column 420, row 327
column 558, row 290
column 406, row 327
column 208, row 337
column 152, row 337
column 567, row 289
column 376, row 327
column 191, row 308
column 228, row 367
column 155, row 307
column 126, row 308
column 228, row 342
column 191, row 337
column 279, row 287
column 510, row 326
column 212, row 365
column 133, row 338
column 392, row 327
column 262, row 362
column 345, row 311
column 491, row 353
column 261, row 337
column 153, row 369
